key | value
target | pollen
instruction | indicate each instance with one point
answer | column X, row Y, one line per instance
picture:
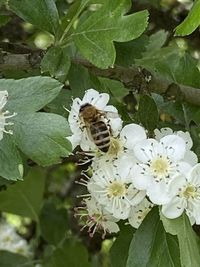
column 190, row 192
column 160, row 166
column 117, row 189
column 115, row 147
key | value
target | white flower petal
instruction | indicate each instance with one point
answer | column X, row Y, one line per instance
column 135, row 196
column 143, row 150
column 140, row 181
column 139, row 212
column 177, row 183
column 75, row 140
column 124, row 165
column 74, row 113
column 3, row 99
column 174, row 208
column 114, row 119
column 90, row 96
column 194, row 175
column 196, row 213
column 175, row 146
column 187, row 138
column 101, row 101
column 86, row 143
column 121, row 213
column 184, row 167
column 131, row 134
column 162, row 132
column 191, row 157
column 158, row 194
column 111, row 227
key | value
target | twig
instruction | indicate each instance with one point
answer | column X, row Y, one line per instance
column 134, row 78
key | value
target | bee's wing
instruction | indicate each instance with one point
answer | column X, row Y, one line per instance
column 111, row 114
column 89, row 133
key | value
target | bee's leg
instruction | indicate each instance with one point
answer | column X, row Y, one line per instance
column 82, row 126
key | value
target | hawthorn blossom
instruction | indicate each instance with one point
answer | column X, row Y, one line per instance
column 158, row 163
column 122, row 145
column 97, row 218
column 80, row 135
column 11, row 241
column 190, row 156
column 4, row 115
column 186, row 196
column 112, row 187
column 139, row 212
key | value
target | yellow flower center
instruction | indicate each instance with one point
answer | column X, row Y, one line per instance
column 117, row 189
column 160, row 166
column 190, row 192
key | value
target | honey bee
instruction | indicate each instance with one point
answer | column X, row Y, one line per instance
column 98, row 131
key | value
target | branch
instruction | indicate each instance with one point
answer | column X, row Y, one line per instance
column 138, row 79
column 133, row 78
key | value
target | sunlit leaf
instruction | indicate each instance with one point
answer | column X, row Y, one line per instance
column 43, row 14
column 188, row 241
column 94, row 37
column 11, row 166
column 42, row 137
column 30, row 94
column 25, row 197
column 191, row 22
column 151, row 246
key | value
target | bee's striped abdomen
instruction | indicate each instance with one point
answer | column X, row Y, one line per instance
column 101, row 135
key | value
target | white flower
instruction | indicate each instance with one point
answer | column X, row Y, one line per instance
column 190, row 156
column 112, row 187
column 186, row 196
column 11, row 241
column 79, row 130
column 158, row 163
column 4, row 115
column 98, row 219
column 139, row 212
column 120, row 152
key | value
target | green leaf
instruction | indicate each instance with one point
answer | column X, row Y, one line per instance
column 64, row 99
column 8, row 259
column 72, row 254
column 30, row 94
column 191, row 22
column 151, row 246
column 84, row 81
column 94, row 36
column 156, row 41
column 49, row 218
column 57, row 62
column 24, row 198
column 119, row 250
column 189, row 243
column 148, row 112
column 129, row 51
column 68, row 21
column 11, row 166
column 114, row 88
column 42, row 137
column 172, row 108
column 4, row 19
column 42, row 14
column 180, row 68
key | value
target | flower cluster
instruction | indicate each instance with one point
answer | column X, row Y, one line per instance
column 133, row 172
column 4, row 115
column 11, row 241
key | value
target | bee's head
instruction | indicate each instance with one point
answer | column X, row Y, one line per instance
column 88, row 111
column 85, row 107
